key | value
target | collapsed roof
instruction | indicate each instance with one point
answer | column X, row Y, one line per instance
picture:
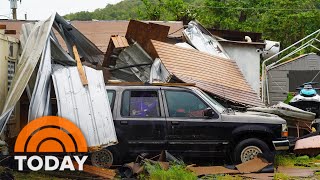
column 213, row 74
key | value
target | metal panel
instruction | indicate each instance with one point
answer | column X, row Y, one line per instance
column 201, row 39
column 40, row 102
column 4, row 118
column 28, row 61
column 216, row 75
column 86, row 106
column 135, row 55
column 301, row 63
column 87, row 50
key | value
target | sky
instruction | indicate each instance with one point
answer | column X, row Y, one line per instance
column 42, row 9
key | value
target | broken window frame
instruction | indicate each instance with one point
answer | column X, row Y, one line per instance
column 124, row 98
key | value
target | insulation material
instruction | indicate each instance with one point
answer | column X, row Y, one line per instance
column 86, row 106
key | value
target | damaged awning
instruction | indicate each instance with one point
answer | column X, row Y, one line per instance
column 216, row 75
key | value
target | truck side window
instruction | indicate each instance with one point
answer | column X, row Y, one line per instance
column 140, row 104
column 184, row 104
column 111, row 96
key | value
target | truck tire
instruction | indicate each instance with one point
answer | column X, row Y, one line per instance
column 249, row 148
column 105, row 158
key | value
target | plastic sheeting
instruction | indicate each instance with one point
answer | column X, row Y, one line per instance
column 86, row 106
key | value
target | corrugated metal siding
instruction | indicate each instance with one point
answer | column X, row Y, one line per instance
column 219, row 76
column 278, row 86
column 86, row 106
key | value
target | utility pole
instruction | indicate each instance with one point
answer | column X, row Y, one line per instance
column 14, row 6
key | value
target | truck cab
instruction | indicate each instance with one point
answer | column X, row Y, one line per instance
column 187, row 122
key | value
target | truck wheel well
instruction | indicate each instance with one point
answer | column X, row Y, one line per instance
column 266, row 137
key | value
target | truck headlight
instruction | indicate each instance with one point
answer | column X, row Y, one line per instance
column 284, row 131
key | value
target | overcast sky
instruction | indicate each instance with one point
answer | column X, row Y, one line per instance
column 42, row 9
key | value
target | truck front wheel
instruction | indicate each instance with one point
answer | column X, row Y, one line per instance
column 249, row 148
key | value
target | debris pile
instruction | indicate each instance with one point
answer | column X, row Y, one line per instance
column 45, row 66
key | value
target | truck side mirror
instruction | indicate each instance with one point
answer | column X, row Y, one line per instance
column 209, row 113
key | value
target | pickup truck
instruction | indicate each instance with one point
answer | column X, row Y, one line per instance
column 187, row 122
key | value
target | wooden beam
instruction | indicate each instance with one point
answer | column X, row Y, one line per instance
column 82, row 74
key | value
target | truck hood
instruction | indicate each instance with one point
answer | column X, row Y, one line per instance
column 252, row 117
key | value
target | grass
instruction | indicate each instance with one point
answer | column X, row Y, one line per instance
column 222, row 177
column 175, row 172
column 281, row 176
column 296, row 161
column 178, row 172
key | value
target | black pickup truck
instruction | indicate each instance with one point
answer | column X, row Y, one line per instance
column 188, row 122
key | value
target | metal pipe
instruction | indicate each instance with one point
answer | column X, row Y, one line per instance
column 263, row 85
column 130, row 66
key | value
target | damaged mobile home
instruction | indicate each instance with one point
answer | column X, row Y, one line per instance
column 41, row 46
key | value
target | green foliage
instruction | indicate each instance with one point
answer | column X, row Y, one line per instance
column 175, row 172
column 289, row 97
column 281, row 20
column 124, row 10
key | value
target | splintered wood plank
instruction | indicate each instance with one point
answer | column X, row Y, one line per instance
column 82, row 74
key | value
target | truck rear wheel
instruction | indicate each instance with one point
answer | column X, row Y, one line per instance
column 250, row 148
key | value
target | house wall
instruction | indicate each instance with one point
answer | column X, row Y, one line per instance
column 248, row 60
column 9, row 52
column 4, row 47
column 293, row 73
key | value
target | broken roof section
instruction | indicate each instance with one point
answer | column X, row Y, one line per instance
column 99, row 32
column 213, row 74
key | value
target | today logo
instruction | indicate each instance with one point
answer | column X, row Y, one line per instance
column 50, row 134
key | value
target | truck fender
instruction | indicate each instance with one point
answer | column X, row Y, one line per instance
column 250, row 129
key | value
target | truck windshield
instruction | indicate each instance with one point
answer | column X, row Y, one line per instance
column 216, row 105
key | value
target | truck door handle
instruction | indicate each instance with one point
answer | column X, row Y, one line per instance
column 124, row 122
column 175, row 122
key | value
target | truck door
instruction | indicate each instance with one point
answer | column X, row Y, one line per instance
column 188, row 130
column 140, row 120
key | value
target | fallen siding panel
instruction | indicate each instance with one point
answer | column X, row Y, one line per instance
column 216, row 75
column 4, row 118
column 28, row 61
column 40, row 101
column 86, row 106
